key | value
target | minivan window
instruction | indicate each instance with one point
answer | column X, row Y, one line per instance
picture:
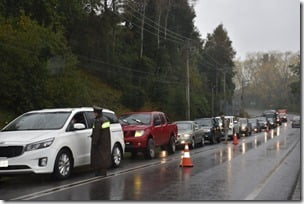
column 77, row 118
column 111, row 117
column 39, row 121
column 90, row 118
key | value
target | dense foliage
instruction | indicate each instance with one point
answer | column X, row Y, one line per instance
column 64, row 53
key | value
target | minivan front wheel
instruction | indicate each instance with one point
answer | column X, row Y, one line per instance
column 63, row 164
column 116, row 156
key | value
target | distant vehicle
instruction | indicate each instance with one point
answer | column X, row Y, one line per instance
column 232, row 125
column 282, row 115
column 220, row 123
column 262, row 122
column 144, row 131
column 296, row 122
column 244, row 127
column 211, row 128
column 189, row 131
column 272, row 114
column 50, row 141
column 271, row 122
column 254, row 124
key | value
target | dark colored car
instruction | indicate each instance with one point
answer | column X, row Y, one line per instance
column 212, row 131
column 262, row 122
column 272, row 114
column 244, row 127
column 254, row 124
column 271, row 122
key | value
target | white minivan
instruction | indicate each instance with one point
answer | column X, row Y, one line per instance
column 54, row 141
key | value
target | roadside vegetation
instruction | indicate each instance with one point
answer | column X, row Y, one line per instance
column 123, row 55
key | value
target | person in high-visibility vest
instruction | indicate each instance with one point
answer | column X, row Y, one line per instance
column 101, row 144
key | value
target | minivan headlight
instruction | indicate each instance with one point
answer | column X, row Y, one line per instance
column 39, row 145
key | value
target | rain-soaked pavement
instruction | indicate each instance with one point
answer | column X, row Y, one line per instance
column 255, row 169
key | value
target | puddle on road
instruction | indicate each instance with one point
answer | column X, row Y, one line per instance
column 228, row 153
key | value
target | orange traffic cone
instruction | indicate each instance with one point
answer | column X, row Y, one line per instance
column 186, row 161
column 235, row 139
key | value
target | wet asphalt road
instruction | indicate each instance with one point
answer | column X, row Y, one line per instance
column 263, row 166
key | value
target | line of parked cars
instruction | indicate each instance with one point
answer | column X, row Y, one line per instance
column 55, row 141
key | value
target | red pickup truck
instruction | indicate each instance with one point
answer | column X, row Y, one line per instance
column 144, row 131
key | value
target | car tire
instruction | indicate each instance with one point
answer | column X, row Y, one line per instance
column 202, row 143
column 192, row 145
column 150, row 151
column 116, row 156
column 213, row 139
column 63, row 165
column 172, row 145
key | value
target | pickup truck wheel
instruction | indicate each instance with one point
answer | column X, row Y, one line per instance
column 150, row 151
column 171, row 146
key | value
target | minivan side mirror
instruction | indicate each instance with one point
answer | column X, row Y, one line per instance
column 79, row 126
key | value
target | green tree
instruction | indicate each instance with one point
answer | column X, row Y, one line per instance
column 216, row 62
column 28, row 80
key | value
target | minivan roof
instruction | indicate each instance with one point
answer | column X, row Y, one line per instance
column 69, row 110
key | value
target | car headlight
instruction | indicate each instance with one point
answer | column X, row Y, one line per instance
column 39, row 145
column 139, row 133
column 186, row 135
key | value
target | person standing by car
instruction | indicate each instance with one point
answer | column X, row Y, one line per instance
column 101, row 143
column 225, row 123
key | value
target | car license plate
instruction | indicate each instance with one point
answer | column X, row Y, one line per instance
column 3, row 162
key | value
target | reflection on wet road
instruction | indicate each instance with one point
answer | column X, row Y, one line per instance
column 220, row 172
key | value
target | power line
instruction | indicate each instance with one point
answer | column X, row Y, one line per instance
column 153, row 27
column 172, row 32
column 138, row 26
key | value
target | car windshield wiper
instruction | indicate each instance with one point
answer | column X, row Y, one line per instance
column 138, row 121
column 124, row 121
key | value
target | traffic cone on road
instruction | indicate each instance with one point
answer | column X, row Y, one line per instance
column 186, row 161
column 235, row 139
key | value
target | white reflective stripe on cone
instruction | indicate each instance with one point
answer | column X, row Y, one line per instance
column 186, row 155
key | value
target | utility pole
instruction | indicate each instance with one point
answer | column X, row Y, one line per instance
column 212, row 100
column 142, row 29
column 188, row 83
column 224, row 91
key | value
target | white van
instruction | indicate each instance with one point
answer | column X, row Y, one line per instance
column 47, row 141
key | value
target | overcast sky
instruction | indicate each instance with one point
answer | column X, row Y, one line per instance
column 252, row 25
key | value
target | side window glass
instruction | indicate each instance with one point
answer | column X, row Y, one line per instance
column 156, row 120
column 90, row 118
column 162, row 119
column 111, row 117
column 77, row 118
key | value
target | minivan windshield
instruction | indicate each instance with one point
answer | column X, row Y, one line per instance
column 39, row 121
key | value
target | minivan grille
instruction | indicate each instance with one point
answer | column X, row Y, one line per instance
column 11, row 151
